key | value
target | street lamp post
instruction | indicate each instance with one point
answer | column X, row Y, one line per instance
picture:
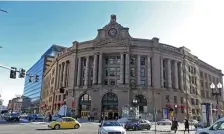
column 217, row 93
column 135, row 103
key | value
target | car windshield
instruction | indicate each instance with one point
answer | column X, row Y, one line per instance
column 111, row 124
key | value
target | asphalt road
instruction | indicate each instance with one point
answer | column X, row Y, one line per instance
column 87, row 128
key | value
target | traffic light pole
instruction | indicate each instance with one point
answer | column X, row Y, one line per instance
column 2, row 66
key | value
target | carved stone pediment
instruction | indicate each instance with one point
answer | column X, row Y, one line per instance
column 112, row 42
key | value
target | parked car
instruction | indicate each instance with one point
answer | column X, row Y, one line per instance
column 138, row 124
column 55, row 117
column 216, row 128
column 123, row 121
column 111, row 127
column 64, row 122
column 164, row 122
column 13, row 117
column 192, row 122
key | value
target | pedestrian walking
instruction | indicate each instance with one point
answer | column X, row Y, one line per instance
column 186, row 125
column 174, row 125
column 49, row 117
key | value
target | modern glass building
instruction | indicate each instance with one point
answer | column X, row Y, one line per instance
column 32, row 90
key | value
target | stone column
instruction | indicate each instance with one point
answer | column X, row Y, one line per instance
column 127, row 69
column 176, row 75
column 79, row 71
column 138, row 70
column 87, row 71
column 149, row 71
column 181, row 76
column 122, row 69
column 64, row 74
column 161, row 72
column 100, row 68
column 169, row 73
column 156, row 70
column 59, row 74
column 95, row 69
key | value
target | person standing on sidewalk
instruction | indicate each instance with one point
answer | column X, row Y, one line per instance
column 186, row 124
column 174, row 125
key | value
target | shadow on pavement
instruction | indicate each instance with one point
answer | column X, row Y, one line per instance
column 45, row 129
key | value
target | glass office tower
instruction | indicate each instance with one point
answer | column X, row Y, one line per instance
column 32, row 90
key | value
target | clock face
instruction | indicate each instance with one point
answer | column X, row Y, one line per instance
column 112, row 32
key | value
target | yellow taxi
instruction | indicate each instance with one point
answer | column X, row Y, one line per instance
column 64, row 122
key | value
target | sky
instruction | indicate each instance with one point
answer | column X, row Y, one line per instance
column 30, row 28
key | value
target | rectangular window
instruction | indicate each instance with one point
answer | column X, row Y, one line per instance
column 132, row 60
column 84, row 62
column 91, row 75
column 193, row 111
column 167, row 98
column 112, row 82
column 132, row 72
column 192, row 101
column 59, row 97
column 106, row 71
column 142, row 72
column 201, row 75
column 142, row 82
column 197, row 102
column 118, row 81
column 197, row 111
column 105, row 82
column 182, row 100
column 112, row 60
column 83, row 72
column 175, row 99
column 142, row 61
column 118, row 59
column 202, row 83
column 112, row 71
column 118, row 71
column 106, row 60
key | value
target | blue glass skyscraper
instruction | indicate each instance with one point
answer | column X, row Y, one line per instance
column 32, row 90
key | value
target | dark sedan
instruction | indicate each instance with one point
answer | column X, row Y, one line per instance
column 13, row 117
column 138, row 125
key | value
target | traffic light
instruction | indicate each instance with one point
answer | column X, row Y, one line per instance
column 36, row 78
column 30, row 78
column 13, row 73
column 22, row 73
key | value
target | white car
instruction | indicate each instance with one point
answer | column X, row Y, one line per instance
column 216, row 128
column 193, row 122
column 111, row 127
column 164, row 122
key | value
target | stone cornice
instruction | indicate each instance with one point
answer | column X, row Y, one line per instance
column 209, row 67
column 119, row 41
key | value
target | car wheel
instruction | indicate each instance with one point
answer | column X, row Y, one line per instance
column 76, row 126
column 57, row 126
column 149, row 128
column 158, row 124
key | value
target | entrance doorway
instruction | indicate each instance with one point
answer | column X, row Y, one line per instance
column 84, row 106
column 110, row 106
column 141, row 103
